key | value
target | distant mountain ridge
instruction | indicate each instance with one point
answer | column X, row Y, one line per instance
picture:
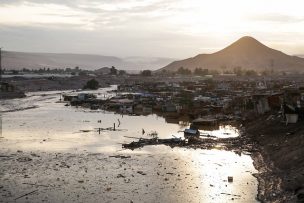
column 247, row 53
column 19, row 60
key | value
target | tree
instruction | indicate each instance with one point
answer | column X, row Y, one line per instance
column 15, row 72
column 122, row 72
column 25, row 70
column 214, row 72
column 146, row 73
column 92, row 84
column 183, row 71
column 250, row 73
column 113, row 71
column 200, row 71
column 83, row 73
column 265, row 72
column 238, row 71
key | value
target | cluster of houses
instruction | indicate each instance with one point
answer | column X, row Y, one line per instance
column 220, row 100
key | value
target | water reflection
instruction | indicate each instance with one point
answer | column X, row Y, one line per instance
column 53, row 126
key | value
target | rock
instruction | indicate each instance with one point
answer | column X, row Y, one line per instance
column 230, row 179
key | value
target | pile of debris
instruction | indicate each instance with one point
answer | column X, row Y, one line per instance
column 238, row 144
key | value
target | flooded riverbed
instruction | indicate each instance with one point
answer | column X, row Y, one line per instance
column 49, row 128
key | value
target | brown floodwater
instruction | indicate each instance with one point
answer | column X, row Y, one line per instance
column 41, row 123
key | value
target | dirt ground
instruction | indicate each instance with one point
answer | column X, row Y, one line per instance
column 281, row 160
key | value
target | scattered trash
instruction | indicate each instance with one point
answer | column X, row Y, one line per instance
column 24, row 159
column 153, row 141
column 121, row 156
column 223, row 193
column 141, row 173
column 127, row 180
column 34, row 155
column 153, row 134
column 85, row 131
column 35, row 184
column 120, row 176
column 26, row 194
column 230, row 179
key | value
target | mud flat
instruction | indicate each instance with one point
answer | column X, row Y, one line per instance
column 93, row 177
column 97, row 177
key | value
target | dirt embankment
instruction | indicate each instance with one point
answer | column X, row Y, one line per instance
column 281, row 160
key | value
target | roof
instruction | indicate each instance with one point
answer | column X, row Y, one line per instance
column 190, row 131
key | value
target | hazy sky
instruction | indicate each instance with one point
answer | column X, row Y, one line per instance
column 167, row 28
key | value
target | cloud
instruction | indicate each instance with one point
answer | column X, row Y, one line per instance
column 277, row 18
column 143, row 27
column 90, row 15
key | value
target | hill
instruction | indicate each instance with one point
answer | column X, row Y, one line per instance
column 247, row 53
column 19, row 60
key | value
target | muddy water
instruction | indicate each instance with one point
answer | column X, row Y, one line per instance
column 183, row 175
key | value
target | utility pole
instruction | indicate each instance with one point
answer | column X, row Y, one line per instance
column 0, row 66
column 0, row 92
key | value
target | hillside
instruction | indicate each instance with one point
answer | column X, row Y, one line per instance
column 19, row 60
column 247, row 53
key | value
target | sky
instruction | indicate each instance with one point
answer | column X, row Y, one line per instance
column 151, row 28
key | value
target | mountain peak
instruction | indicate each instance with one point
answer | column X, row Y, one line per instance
column 245, row 44
column 246, row 52
column 247, row 38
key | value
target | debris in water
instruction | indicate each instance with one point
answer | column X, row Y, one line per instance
column 26, row 194
column 141, row 173
column 24, row 159
column 230, row 179
column 121, row 156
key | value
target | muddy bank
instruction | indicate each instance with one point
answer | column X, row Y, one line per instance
column 280, row 159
